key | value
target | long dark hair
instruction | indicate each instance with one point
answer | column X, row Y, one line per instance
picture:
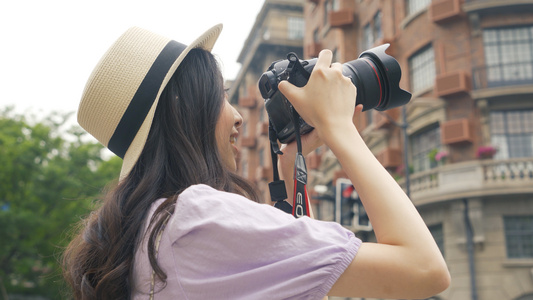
column 180, row 151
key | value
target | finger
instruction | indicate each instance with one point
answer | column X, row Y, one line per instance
column 310, row 142
column 288, row 89
column 336, row 66
column 357, row 113
column 324, row 59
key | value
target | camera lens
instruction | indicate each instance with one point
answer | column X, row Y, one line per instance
column 376, row 76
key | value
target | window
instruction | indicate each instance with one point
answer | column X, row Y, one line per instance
column 315, row 35
column 372, row 32
column 509, row 55
column 422, row 67
column 414, row 6
column 378, row 33
column 438, row 235
column 422, row 144
column 512, row 132
column 519, row 236
column 369, row 40
column 296, row 28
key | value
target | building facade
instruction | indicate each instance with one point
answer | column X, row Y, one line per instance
column 468, row 128
column 278, row 30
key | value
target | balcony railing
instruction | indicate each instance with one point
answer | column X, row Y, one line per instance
column 472, row 179
column 495, row 5
column 502, row 75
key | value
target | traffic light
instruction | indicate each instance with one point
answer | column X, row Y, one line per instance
column 349, row 210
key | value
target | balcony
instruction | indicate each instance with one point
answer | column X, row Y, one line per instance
column 502, row 75
column 452, row 83
column 441, row 11
column 342, row 17
column 477, row 178
column 456, row 131
column 474, row 6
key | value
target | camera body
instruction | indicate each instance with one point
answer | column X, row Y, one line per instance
column 375, row 74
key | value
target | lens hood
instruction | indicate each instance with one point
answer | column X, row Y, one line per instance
column 392, row 73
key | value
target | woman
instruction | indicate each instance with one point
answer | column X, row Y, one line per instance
column 180, row 223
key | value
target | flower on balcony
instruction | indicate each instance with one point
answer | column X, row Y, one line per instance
column 486, row 152
column 441, row 156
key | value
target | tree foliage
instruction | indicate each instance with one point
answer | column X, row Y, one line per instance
column 49, row 179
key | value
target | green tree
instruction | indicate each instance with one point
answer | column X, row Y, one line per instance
column 49, row 179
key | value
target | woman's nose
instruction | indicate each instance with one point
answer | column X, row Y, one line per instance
column 238, row 118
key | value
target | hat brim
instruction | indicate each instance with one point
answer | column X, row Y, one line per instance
column 206, row 41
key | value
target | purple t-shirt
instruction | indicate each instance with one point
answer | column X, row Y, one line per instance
column 219, row 245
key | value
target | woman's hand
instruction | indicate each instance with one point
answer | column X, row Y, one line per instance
column 328, row 98
column 327, row 101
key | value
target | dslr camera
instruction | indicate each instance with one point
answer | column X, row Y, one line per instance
column 375, row 74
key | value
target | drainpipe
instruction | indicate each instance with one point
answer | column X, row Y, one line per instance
column 404, row 126
column 470, row 250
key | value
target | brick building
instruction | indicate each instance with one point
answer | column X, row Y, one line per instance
column 278, row 30
column 469, row 66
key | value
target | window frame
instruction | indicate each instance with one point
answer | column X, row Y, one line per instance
column 415, row 6
column 518, row 253
column 422, row 69
column 508, row 55
column 420, row 159
column 512, row 132
column 295, row 28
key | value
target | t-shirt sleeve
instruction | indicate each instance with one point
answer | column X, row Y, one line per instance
column 228, row 247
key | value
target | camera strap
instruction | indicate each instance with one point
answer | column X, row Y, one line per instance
column 300, row 199
column 278, row 192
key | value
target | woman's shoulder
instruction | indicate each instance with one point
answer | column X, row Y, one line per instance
column 205, row 200
column 204, row 190
column 201, row 206
column 202, row 196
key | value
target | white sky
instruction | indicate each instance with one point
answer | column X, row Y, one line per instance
column 48, row 48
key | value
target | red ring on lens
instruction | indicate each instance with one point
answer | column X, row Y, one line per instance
column 377, row 76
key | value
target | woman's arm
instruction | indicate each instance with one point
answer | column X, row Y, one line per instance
column 405, row 262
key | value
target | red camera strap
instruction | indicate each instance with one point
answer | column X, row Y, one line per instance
column 278, row 193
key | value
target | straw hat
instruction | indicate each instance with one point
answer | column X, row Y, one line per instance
column 121, row 95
